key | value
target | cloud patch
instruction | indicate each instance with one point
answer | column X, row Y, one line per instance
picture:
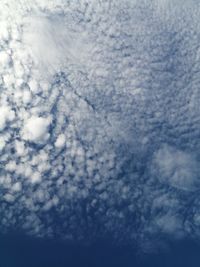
column 36, row 129
column 176, row 168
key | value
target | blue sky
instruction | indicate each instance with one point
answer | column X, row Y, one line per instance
column 18, row 251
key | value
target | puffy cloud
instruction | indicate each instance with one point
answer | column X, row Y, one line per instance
column 4, row 60
column 6, row 115
column 36, row 129
column 9, row 198
column 2, row 143
column 176, row 168
column 60, row 141
column 35, row 177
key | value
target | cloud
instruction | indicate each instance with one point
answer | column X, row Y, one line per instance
column 60, row 141
column 99, row 119
column 36, row 129
column 6, row 115
column 52, row 43
column 176, row 168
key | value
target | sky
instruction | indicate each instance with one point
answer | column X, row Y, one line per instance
column 20, row 251
column 99, row 131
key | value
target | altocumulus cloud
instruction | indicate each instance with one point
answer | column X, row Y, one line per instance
column 99, row 119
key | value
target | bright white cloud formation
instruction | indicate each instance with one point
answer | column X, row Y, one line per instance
column 36, row 129
column 99, row 119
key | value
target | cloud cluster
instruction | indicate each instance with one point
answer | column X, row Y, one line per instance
column 176, row 168
column 36, row 129
column 99, row 119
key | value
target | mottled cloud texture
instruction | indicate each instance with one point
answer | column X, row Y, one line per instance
column 100, row 119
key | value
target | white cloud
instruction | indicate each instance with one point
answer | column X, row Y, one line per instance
column 9, row 198
column 17, row 187
column 2, row 143
column 4, row 35
column 4, row 60
column 34, row 86
column 60, row 141
column 52, row 43
column 176, row 168
column 6, row 115
column 20, row 148
column 35, row 177
column 27, row 97
column 36, row 129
